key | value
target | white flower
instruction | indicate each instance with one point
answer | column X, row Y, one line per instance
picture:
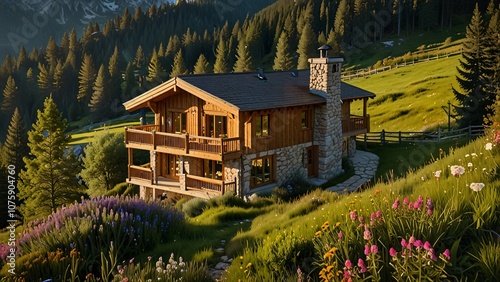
column 488, row 146
column 476, row 187
column 467, row 155
column 457, row 170
column 469, row 165
column 473, row 155
column 437, row 173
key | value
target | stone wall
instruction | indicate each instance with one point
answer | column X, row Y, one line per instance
column 349, row 147
column 325, row 81
column 232, row 173
column 290, row 162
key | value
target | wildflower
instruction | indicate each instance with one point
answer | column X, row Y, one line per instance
column 318, row 233
column 131, row 261
column 378, row 214
column 418, row 244
column 446, row 254
column 249, row 265
column 467, row 155
column 325, row 226
column 437, row 174
column 374, row 249
column 403, row 243
column 340, row 235
column 367, row 249
column 488, row 146
column 331, row 253
column 361, row 265
column 353, row 215
column 367, row 235
column 470, row 165
column 348, row 264
column 405, row 201
column 476, row 187
column 427, row 246
column 149, row 258
column 337, row 224
column 457, row 170
column 411, row 240
column 473, row 155
column 392, row 252
column 395, row 206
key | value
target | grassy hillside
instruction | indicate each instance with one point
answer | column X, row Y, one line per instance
column 410, row 98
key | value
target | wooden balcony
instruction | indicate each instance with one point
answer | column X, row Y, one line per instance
column 211, row 185
column 148, row 138
column 354, row 125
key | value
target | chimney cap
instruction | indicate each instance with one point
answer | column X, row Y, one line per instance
column 323, row 50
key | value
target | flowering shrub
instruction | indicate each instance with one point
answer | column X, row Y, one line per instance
column 132, row 224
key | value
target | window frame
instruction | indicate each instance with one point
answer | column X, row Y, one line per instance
column 306, row 119
column 259, row 125
column 266, row 161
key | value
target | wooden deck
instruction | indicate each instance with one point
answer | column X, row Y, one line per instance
column 355, row 125
column 173, row 186
column 147, row 138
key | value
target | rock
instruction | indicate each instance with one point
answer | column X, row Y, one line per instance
column 222, row 266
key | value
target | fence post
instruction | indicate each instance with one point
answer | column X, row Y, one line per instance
column 470, row 131
column 439, row 134
column 399, row 137
column 382, row 136
column 365, row 141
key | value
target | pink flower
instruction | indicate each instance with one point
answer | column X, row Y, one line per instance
column 367, row 235
column 367, row 249
column 378, row 214
column 446, row 254
column 348, row 264
column 353, row 215
column 374, row 249
column 403, row 243
column 347, row 274
column 427, row 246
column 412, row 240
column 392, row 252
column 418, row 244
column 405, row 201
column 395, row 206
column 432, row 255
column 361, row 219
column 361, row 264
column 340, row 235
column 429, row 211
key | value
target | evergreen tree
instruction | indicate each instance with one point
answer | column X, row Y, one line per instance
column 49, row 180
column 115, row 79
column 284, row 58
column 179, row 67
column 155, row 70
column 99, row 102
column 243, row 58
column 15, row 147
column 140, row 59
column 474, row 99
column 9, row 96
column 220, row 65
column 105, row 163
column 57, row 82
column 307, row 45
column 86, row 79
column 129, row 83
column 22, row 59
column 51, row 52
column 202, row 65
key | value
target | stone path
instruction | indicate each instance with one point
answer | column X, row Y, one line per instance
column 365, row 165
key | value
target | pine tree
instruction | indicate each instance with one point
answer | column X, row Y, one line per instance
column 243, row 58
column 9, row 96
column 179, row 67
column 220, row 65
column 474, row 100
column 140, row 59
column 115, row 79
column 86, row 79
column 493, row 50
column 51, row 52
column 22, row 59
column 155, row 70
column 283, row 59
column 15, row 147
column 129, row 83
column 49, row 179
column 99, row 102
column 307, row 45
column 105, row 163
column 57, row 82
column 202, row 66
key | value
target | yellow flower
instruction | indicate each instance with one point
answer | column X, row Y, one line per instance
column 318, row 233
column 241, row 257
column 325, row 225
column 337, row 224
column 331, row 253
column 249, row 264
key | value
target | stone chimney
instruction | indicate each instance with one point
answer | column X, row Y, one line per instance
column 325, row 81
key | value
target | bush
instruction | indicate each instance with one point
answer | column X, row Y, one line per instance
column 119, row 189
column 194, row 207
column 229, row 199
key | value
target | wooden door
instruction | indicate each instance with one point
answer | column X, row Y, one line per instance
column 312, row 161
column 172, row 166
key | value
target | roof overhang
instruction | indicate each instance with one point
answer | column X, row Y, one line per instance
column 145, row 100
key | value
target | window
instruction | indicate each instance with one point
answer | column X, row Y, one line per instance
column 217, row 126
column 262, row 125
column 306, row 119
column 179, row 122
column 262, row 171
column 212, row 169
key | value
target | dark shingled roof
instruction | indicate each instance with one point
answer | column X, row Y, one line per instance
column 281, row 89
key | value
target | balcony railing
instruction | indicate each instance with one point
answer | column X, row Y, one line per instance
column 356, row 124
column 140, row 172
column 147, row 138
column 213, row 185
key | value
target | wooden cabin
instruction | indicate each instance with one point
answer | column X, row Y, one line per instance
column 245, row 132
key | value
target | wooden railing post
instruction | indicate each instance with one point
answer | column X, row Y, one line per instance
column 382, row 136
column 186, row 143
column 400, row 141
column 439, row 134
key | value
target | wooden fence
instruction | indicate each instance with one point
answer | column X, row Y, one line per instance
column 353, row 74
column 386, row 137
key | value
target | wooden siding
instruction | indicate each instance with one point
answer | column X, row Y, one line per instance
column 285, row 129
